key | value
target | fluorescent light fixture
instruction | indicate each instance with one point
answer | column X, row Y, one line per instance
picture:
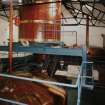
column 20, row 1
column 4, row 0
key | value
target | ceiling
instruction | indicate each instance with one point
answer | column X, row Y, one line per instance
column 94, row 10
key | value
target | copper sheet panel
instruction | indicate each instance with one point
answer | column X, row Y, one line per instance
column 29, row 30
column 31, row 93
column 52, row 31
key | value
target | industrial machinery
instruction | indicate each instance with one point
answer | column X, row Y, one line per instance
column 52, row 70
column 96, row 54
column 52, row 66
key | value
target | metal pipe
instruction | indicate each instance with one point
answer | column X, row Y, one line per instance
column 87, row 31
column 41, row 81
column 80, row 84
column 76, row 39
column 0, row 56
column 10, row 34
column 11, row 101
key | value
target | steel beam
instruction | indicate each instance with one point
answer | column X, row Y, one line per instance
column 46, row 50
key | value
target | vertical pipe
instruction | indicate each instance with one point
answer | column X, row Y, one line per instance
column 0, row 53
column 87, row 31
column 103, row 36
column 76, row 38
column 0, row 62
column 10, row 34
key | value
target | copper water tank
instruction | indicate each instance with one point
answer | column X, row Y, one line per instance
column 41, row 18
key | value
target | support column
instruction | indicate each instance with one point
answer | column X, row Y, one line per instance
column 87, row 31
column 103, row 36
column 72, row 96
column 10, row 34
